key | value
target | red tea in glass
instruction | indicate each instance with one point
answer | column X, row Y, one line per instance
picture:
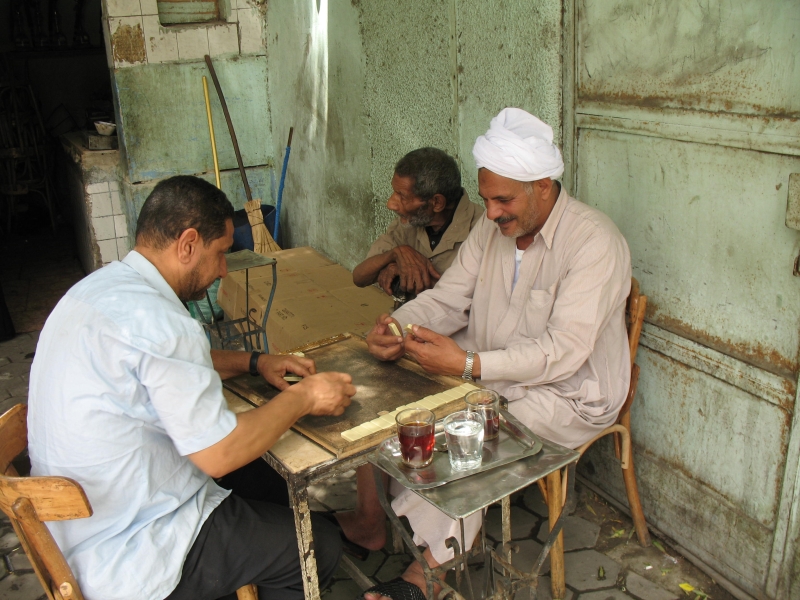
column 415, row 431
column 487, row 404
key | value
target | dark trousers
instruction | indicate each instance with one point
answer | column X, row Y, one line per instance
column 248, row 540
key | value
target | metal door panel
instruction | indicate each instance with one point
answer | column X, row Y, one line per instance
column 714, row 55
column 700, row 522
column 730, row 441
column 705, row 228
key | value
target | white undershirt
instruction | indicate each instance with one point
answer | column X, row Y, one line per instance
column 517, row 261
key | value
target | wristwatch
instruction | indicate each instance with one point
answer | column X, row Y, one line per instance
column 254, row 363
column 467, row 374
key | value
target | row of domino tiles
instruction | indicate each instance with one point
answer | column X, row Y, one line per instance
column 387, row 420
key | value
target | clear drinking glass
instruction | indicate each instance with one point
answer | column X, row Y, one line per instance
column 486, row 403
column 464, row 431
column 415, row 430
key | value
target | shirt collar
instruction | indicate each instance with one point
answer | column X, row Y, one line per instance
column 548, row 232
column 151, row 275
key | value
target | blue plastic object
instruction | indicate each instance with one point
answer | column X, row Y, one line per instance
column 243, row 233
column 280, row 187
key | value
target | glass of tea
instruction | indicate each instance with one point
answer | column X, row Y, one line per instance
column 487, row 404
column 415, row 430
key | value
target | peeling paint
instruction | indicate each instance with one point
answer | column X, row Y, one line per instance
column 721, row 55
column 751, row 352
column 128, row 44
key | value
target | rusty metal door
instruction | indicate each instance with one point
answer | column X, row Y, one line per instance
column 683, row 121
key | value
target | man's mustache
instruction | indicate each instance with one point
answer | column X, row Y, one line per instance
column 504, row 220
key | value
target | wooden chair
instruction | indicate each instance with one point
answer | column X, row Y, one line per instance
column 29, row 501
column 621, row 430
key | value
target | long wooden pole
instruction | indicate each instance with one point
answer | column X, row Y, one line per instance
column 211, row 131
column 248, row 194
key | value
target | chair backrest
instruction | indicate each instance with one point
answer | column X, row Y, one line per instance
column 28, row 501
column 634, row 318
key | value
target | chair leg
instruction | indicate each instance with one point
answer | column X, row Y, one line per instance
column 247, row 592
column 542, row 488
column 632, row 490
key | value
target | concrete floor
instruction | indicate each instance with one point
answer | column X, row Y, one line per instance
column 596, row 536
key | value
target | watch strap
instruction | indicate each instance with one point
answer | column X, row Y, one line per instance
column 254, row 363
column 467, row 374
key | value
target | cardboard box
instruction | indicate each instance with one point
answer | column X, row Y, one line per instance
column 314, row 298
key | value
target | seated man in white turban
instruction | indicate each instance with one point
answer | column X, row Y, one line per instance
column 533, row 307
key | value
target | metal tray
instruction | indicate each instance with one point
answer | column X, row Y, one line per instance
column 514, row 441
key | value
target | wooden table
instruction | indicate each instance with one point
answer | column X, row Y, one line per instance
column 302, row 463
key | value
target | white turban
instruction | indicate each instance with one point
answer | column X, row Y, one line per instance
column 518, row 146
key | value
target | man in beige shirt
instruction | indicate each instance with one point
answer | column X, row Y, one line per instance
column 533, row 307
column 434, row 217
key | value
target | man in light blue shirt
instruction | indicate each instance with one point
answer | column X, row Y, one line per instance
column 126, row 398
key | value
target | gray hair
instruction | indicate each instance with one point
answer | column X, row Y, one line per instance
column 434, row 172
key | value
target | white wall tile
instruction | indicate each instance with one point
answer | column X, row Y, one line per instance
column 223, row 39
column 149, row 7
column 103, row 228
column 123, row 8
column 250, row 31
column 160, row 43
column 101, row 204
column 93, row 188
column 192, row 43
column 122, row 247
column 131, row 56
column 116, row 203
column 113, row 185
column 108, row 250
column 120, row 226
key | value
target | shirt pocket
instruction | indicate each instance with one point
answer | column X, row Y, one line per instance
column 537, row 311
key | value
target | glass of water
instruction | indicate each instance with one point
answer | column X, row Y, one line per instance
column 464, row 431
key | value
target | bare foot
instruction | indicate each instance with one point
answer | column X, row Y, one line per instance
column 366, row 525
column 364, row 531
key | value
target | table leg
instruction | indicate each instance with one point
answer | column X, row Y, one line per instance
column 298, row 497
column 505, row 509
column 554, row 506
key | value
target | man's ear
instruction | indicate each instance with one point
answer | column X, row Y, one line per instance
column 543, row 187
column 188, row 245
column 438, row 202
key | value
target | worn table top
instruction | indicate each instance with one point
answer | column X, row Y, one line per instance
column 382, row 387
column 295, row 452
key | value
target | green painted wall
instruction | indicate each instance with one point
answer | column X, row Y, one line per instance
column 365, row 82
column 162, row 116
column 316, row 64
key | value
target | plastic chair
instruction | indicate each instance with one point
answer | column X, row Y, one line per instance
column 29, row 501
column 621, row 430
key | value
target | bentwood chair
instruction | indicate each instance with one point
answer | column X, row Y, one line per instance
column 621, row 430
column 29, row 501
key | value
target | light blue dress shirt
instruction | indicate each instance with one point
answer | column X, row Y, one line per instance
column 122, row 389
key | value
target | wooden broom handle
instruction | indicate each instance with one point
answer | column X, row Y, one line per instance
column 213, row 73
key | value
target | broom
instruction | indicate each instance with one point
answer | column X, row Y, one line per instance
column 262, row 240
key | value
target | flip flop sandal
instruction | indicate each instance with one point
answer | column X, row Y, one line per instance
column 396, row 589
column 351, row 548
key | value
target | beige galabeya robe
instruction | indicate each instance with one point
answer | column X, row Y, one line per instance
column 555, row 345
